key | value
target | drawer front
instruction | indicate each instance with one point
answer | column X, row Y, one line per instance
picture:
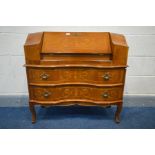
column 75, row 93
column 76, row 75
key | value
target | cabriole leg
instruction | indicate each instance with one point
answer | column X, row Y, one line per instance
column 117, row 114
column 32, row 109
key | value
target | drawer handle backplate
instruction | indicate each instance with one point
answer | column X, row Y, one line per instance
column 44, row 76
column 105, row 95
column 46, row 94
column 106, row 76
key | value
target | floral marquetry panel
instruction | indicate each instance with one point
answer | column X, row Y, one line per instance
column 70, row 42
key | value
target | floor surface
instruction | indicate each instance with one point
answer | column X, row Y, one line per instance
column 77, row 117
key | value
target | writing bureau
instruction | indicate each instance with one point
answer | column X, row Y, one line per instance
column 84, row 68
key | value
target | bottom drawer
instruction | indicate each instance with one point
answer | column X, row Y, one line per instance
column 75, row 93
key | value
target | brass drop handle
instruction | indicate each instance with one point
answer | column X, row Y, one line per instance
column 46, row 94
column 106, row 77
column 44, row 76
column 105, row 95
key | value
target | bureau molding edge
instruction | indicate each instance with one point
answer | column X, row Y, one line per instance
column 85, row 84
column 78, row 102
column 64, row 66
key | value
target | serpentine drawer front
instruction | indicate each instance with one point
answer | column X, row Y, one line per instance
column 76, row 92
column 76, row 75
column 84, row 68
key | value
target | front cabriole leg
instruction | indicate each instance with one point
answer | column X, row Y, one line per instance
column 117, row 113
column 32, row 110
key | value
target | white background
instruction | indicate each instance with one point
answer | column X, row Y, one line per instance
column 77, row 142
column 75, row 13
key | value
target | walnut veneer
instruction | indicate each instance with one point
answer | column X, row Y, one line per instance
column 84, row 68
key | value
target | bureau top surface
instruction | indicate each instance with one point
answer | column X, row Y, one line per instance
column 76, row 42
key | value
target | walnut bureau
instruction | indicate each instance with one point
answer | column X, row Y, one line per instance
column 84, row 68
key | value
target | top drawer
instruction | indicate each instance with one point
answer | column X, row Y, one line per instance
column 75, row 75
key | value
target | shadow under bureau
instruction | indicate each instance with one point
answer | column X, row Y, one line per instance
column 84, row 68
